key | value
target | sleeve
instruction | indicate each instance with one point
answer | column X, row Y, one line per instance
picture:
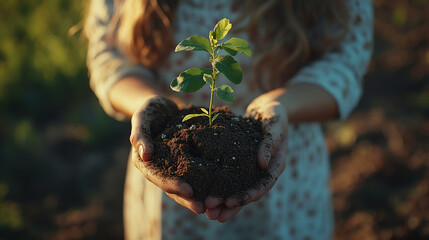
column 340, row 71
column 105, row 63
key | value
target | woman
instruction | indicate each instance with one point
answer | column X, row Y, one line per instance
column 310, row 57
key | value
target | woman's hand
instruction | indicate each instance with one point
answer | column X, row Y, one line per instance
column 152, row 109
column 232, row 205
column 268, row 109
column 222, row 211
column 271, row 155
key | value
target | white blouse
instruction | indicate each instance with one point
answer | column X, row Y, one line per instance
column 299, row 205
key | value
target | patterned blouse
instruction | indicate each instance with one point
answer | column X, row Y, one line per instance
column 299, row 204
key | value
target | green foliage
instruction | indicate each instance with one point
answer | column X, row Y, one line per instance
column 41, row 65
column 237, row 45
column 221, row 29
column 190, row 80
column 225, row 93
column 195, row 43
column 56, row 142
column 208, row 79
column 229, row 67
column 10, row 212
column 194, row 79
column 52, row 126
column 204, row 110
column 189, row 116
column 215, row 116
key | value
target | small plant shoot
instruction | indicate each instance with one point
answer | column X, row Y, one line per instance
column 194, row 79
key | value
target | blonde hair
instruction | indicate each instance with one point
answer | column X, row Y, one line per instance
column 280, row 29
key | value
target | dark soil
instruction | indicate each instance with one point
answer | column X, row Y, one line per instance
column 219, row 161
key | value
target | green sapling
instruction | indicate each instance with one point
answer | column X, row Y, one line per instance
column 194, row 79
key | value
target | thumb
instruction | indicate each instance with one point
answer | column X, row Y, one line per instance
column 142, row 145
column 265, row 152
column 271, row 143
column 140, row 138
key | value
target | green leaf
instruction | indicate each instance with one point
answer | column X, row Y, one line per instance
column 225, row 93
column 190, row 80
column 195, row 43
column 229, row 67
column 229, row 51
column 204, row 110
column 215, row 116
column 189, row 116
column 208, row 79
column 238, row 45
column 212, row 37
column 221, row 29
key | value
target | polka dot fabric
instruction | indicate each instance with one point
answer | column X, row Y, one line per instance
column 299, row 205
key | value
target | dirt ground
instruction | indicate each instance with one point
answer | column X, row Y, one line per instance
column 380, row 177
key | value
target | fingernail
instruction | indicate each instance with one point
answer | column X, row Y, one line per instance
column 147, row 157
column 141, row 151
column 267, row 157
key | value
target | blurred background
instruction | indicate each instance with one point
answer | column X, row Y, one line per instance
column 62, row 160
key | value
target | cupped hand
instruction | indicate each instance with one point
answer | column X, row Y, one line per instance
column 271, row 155
column 273, row 115
column 152, row 109
column 224, row 210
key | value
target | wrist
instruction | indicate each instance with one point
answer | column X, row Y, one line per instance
column 278, row 97
column 307, row 102
column 128, row 94
column 141, row 100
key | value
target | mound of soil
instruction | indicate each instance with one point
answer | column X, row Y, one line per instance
column 219, row 161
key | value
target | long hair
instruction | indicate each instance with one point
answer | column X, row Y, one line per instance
column 142, row 30
column 280, row 30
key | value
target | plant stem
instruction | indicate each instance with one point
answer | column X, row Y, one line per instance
column 214, row 76
column 211, row 103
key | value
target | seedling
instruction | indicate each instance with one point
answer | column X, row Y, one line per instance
column 194, row 79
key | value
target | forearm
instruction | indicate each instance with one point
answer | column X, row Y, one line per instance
column 306, row 102
column 129, row 93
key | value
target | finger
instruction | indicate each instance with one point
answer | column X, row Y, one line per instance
column 212, row 202
column 228, row 213
column 142, row 143
column 274, row 134
column 251, row 195
column 213, row 213
column 140, row 137
column 195, row 206
column 236, row 201
column 258, row 194
column 264, row 153
column 275, row 168
column 278, row 162
column 152, row 109
column 167, row 184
